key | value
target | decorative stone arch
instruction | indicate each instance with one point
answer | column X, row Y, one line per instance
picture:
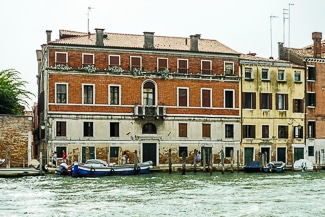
column 149, row 128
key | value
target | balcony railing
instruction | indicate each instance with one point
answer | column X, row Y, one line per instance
column 147, row 111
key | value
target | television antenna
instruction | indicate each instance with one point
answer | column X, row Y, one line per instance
column 271, row 18
column 88, row 13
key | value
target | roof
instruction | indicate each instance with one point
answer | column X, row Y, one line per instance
column 308, row 51
column 249, row 58
column 120, row 40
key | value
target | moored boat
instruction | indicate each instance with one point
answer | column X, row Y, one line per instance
column 303, row 165
column 101, row 168
column 17, row 172
column 274, row 166
column 253, row 166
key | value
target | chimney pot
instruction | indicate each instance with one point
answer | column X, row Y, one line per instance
column 48, row 35
column 317, row 37
column 99, row 37
column 194, row 46
column 149, row 40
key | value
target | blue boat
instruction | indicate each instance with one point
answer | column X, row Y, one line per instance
column 253, row 166
column 95, row 167
column 274, row 166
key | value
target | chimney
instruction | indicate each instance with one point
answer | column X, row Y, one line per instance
column 280, row 51
column 99, row 37
column 48, row 35
column 195, row 42
column 317, row 37
column 148, row 40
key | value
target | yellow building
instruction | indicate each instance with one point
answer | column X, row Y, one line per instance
column 272, row 109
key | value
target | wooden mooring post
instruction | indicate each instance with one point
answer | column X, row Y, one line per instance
column 222, row 158
column 170, row 160
column 210, row 163
column 237, row 160
column 231, row 161
column 204, row 160
column 136, row 171
column 7, row 157
column 195, row 159
column 41, row 164
column 261, row 161
column 183, row 163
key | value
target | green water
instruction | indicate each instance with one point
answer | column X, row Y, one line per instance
column 163, row 194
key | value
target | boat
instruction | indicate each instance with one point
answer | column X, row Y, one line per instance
column 303, row 165
column 253, row 166
column 18, row 172
column 64, row 169
column 2, row 161
column 274, row 166
column 96, row 167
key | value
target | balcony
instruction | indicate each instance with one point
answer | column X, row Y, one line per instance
column 147, row 111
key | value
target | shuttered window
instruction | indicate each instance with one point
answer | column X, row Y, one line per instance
column 206, row 67
column 162, row 64
column 206, row 96
column 88, row 59
column 182, row 97
column 182, row 130
column 206, row 130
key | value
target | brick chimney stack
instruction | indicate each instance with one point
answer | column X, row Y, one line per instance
column 99, row 37
column 48, row 35
column 317, row 37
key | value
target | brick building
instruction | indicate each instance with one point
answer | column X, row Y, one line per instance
column 16, row 139
column 103, row 93
column 312, row 57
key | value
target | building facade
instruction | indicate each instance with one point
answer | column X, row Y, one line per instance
column 313, row 59
column 272, row 109
column 105, row 93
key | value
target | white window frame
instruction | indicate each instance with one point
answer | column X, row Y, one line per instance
column 119, row 94
column 233, row 98
column 268, row 74
column 131, row 66
column 178, row 65
column 187, row 96
column 201, row 97
column 91, row 54
column 159, row 58
column 66, row 57
column 210, row 65
column 294, row 76
column 67, row 91
column 284, row 75
column 229, row 63
column 83, row 85
column 252, row 73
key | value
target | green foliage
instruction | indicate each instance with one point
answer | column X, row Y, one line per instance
column 13, row 95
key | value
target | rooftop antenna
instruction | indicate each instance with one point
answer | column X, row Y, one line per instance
column 285, row 14
column 88, row 13
column 271, row 17
column 289, row 31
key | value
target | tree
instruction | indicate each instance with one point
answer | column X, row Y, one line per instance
column 13, row 96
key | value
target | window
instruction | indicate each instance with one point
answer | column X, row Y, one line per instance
column 135, row 63
column 148, row 93
column 182, row 65
column 114, row 129
column 249, row 73
column 181, row 151
column 310, row 151
column 61, row 129
column 282, row 132
column 206, row 67
column 265, row 132
column 182, row 96
column 59, row 150
column 249, row 131
column 228, row 151
column 149, row 128
column 162, row 64
column 311, row 73
column 87, row 59
column 229, row 99
column 114, row 94
column 182, row 130
column 298, row 105
column 206, row 130
column 310, row 99
column 297, row 76
column 229, row 131
column 282, row 101
column 114, row 60
column 61, row 93
column 88, row 94
column 311, row 129
column 61, row 58
column 265, row 74
column 113, row 152
column 88, row 129
column 205, row 97
column 249, row 100
column 229, row 68
column 298, row 132
column 281, row 75
column 266, row 101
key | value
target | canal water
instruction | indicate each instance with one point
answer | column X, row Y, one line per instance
column 163, row 194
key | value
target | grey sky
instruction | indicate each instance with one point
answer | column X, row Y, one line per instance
column 243, row 25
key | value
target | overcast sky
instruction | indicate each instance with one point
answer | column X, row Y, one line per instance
column 243, row 25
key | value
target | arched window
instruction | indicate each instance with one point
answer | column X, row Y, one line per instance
column 148, row 93
column 149, row 128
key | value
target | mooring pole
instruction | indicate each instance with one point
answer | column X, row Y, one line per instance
column 8, row 157
column 183, row 162
column 195, row 159
column 40, row 164
column 170, row 160
column 237, row 160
